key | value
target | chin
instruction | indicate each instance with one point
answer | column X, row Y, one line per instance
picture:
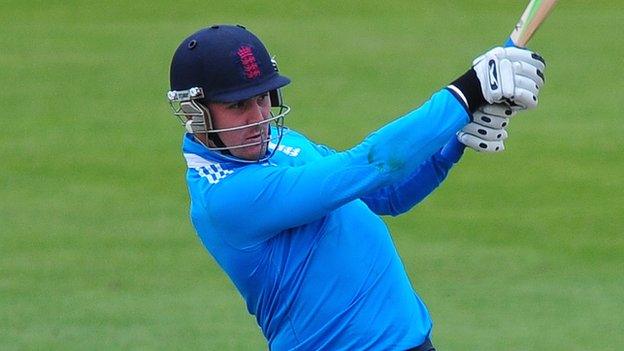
column 252, row 153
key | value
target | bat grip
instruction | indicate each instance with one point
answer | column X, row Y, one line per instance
column 509, row 43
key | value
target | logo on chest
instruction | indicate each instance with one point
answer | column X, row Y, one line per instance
column 288, row 150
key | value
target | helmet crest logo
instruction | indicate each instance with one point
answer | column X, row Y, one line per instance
column 248, row 61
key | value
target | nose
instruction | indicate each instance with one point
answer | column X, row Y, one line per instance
column 256, row 113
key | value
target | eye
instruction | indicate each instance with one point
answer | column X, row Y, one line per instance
column 264, row 97
column 236, row 105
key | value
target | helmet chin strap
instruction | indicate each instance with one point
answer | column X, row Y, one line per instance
column 214, row 137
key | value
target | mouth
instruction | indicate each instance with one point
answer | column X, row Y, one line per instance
column 255, row 138
column 259, row 136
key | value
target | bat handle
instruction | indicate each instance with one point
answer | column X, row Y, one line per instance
column 509, row 43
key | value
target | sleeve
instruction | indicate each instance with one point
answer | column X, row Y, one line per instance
column 257, row 202
column 400, row 197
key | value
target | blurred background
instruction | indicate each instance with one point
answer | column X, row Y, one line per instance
column 522, row 250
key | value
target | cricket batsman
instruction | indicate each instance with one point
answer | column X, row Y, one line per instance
column 296, row 225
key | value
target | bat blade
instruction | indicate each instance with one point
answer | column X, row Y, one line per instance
column 533, row 16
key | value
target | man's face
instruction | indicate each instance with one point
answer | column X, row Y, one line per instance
column 236, row 114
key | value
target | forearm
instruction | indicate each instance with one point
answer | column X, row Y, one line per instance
column 401, row 197
column 400, row 147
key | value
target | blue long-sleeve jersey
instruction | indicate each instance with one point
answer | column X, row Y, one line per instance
column 301, row 237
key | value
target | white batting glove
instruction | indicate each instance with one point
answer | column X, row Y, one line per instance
column 510, row 75
column 487, row 131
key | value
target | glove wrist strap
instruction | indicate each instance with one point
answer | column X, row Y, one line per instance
column 470, row 87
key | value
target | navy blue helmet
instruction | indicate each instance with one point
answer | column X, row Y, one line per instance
column 223, row 63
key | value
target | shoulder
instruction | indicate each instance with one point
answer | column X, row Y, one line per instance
column 215, row 188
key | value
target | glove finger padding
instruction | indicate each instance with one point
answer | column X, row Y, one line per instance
column 522, row 55
column 527, row 84
column 485, row 133
column 524, row 100
column 525, row 94
column 480, row 145
column 530, row 72
column 490, row 121
column 500, row 110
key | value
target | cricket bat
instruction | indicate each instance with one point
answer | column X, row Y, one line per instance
column 533, row 16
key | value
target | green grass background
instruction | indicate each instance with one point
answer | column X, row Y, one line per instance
column 518, row 251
